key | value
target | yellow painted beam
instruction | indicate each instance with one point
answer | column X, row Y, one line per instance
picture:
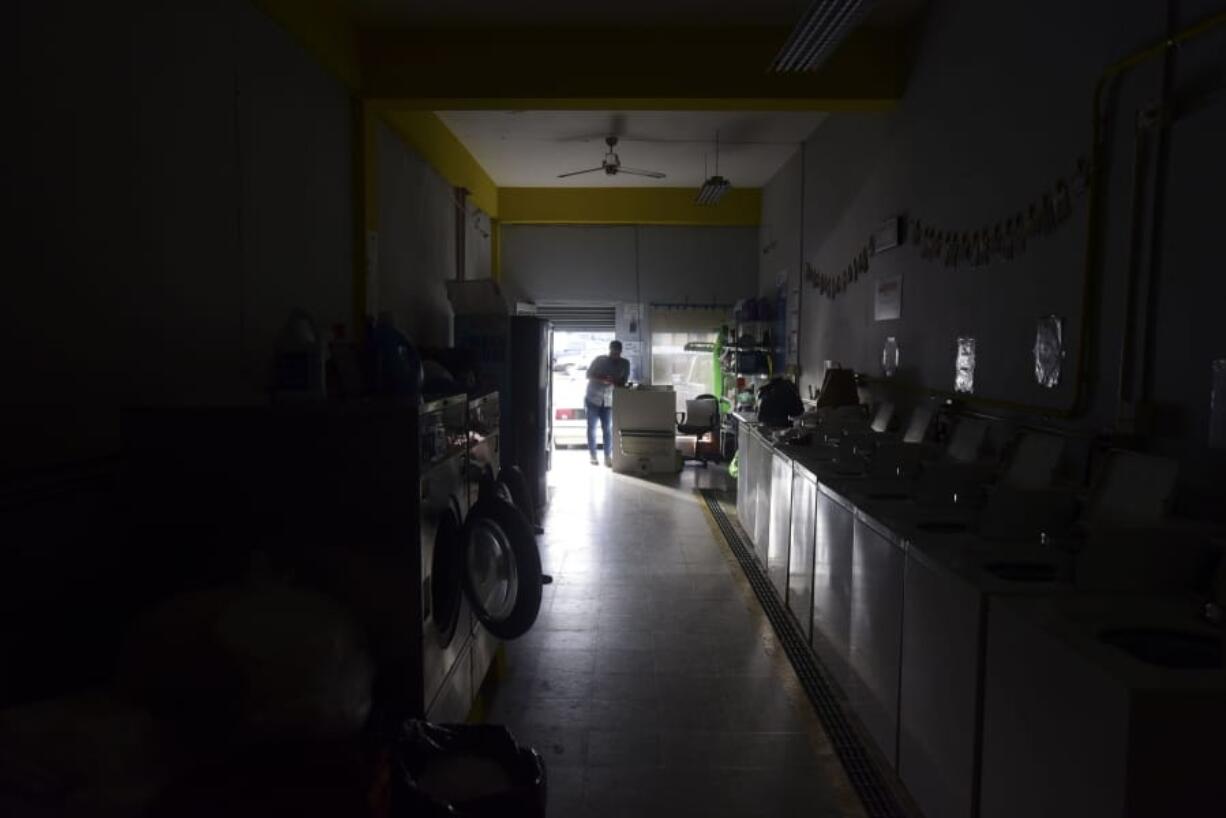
column 626, row 69
column 626, row 205
column 826, row 104
column 426, row 134
column 325, row 29
column 496, row 249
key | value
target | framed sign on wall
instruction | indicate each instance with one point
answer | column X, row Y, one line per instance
column 887, row 299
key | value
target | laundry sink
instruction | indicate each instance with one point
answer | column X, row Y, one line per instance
column 1168, row 647
column 1022, row 571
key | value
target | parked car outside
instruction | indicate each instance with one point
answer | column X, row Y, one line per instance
column 569, row 415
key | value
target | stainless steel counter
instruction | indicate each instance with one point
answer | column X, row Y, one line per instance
column 896, row 593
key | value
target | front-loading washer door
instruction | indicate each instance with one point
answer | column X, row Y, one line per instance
column 502, row 567
column 446, row 574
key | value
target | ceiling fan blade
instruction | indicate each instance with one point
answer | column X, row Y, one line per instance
column 651, row 174
column 578, row 172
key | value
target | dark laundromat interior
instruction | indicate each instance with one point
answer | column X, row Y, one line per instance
column 717, row 409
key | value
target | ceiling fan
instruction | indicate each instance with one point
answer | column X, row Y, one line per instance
column 612, row 165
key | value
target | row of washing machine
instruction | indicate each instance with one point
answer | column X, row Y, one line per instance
column 401, row 511
column 480, row 567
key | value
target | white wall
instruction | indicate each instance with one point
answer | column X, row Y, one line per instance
column 997, row 107
column 178, row 178
column 630, row 263
column 416, row 242
column 478, row 262
column 296, row 153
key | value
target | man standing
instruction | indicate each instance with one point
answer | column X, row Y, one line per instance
column 605, row 372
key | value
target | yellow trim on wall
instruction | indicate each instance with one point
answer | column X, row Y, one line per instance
column 496, row 249
column 741, row 207
column 425, row 133
column 324, row 28
column 828, row 104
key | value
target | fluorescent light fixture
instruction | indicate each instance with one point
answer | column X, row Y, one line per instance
column 712, row 191
column 819, row 32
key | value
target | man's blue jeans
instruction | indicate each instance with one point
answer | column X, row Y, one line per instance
column 605, row 415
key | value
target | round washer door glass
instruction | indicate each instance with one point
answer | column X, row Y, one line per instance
column 502, row 568
column 492, row 572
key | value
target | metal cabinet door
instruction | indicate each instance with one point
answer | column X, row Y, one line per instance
column 779, row 534
column 744, row 482
column 938, row 727
column 800, row 550
column 763, row 462
column 833, row 540
column 876, row 633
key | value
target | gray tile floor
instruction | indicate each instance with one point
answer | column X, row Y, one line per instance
column 652, row 683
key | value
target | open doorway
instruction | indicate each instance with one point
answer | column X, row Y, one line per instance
column 572, row 352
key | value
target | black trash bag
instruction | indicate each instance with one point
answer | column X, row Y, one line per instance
column 465, row 771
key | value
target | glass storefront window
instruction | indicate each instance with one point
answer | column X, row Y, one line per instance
column 689, row 373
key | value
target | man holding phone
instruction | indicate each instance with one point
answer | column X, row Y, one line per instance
column 605, row 372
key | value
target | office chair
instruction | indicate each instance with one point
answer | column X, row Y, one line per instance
column 700, row 418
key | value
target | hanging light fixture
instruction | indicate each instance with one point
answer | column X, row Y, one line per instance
column 714, row 188
column 819, row 32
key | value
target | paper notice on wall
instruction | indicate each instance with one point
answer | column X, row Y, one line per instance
column 632, row 318
column 887, row 299
column 632, row 351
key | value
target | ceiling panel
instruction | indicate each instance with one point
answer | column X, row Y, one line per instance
column 530, row 148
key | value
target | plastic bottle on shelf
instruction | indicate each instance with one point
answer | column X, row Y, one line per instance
column 344, row 370
column 299, row 360
column 396, row 362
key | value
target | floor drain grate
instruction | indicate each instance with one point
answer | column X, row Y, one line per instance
column 878, row 799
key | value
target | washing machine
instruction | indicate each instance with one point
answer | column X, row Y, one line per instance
column 447, row 619
column 481, row 570
column 484, row 442
column 484, row 460
column 368, row 503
